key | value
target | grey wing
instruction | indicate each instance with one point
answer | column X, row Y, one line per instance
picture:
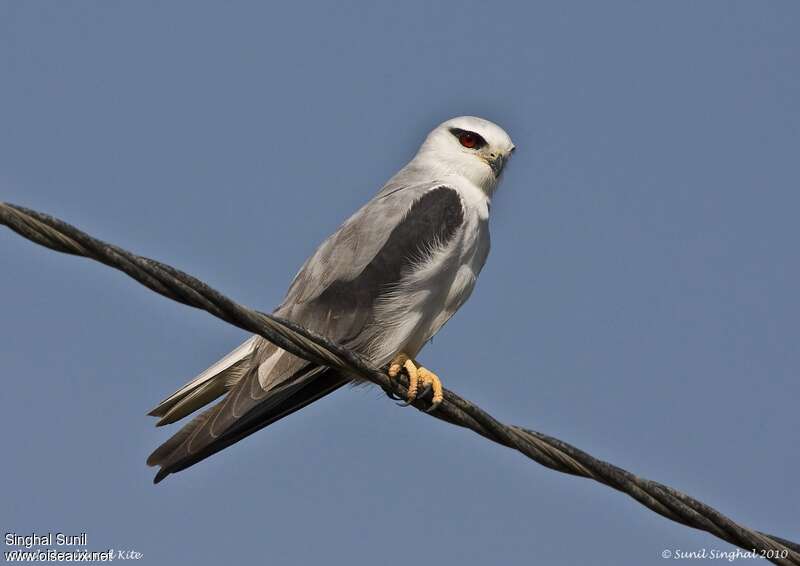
column 334, row 292
column 333, row 295
column 348, row 251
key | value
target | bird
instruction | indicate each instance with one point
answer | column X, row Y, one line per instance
column 382, row 285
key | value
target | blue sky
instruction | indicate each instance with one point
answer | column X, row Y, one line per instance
column 640, row 300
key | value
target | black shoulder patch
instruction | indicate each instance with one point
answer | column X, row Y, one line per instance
column 433, row 219
column 435, row 216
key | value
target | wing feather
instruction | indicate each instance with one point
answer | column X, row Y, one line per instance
column 344, row 255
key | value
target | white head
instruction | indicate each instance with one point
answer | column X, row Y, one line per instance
column 469, row 147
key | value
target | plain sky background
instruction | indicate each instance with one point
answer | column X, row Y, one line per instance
column 640, row 300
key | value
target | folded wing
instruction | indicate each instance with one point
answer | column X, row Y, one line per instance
column 334, row 295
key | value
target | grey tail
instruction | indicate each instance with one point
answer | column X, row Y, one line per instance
column 175, row 455
column 209, row 385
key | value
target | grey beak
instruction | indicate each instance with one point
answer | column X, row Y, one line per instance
column 497, row 162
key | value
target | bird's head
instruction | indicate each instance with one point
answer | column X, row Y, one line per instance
column 471, row 147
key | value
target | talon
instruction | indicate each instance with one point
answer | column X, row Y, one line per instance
column 402, row 362
column 391, row 395
column 426, row 388
column 416, row 376
column 397, row 364
column 394, row 370
column 430, row 379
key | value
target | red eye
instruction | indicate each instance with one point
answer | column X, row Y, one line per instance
column 468, row 140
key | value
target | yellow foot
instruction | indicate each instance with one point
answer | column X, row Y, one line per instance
column 402, row 361
column 428, row 378
column 417, row 375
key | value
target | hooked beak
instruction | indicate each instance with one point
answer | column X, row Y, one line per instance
column 496, row 162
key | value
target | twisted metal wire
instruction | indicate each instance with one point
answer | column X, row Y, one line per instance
column 556, row 454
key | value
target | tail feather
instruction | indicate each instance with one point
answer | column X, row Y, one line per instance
column 261, row 384
column 175, row 454
column 174, row 441
column 207, row 386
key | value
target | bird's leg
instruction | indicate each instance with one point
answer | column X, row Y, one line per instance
column 416, row 375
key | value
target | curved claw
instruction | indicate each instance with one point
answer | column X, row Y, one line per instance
column 433, row 407
column 392, row 395
column 426, row 388
column 416, row 376
column 432, row 381
column 399, row 362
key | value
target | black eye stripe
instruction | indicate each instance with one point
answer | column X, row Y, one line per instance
column 458, row 132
